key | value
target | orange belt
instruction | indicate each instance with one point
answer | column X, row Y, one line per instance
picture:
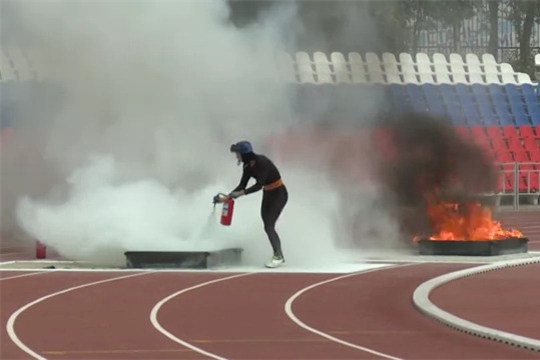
column 273, row 185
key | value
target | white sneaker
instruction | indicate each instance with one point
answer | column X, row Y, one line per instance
column 275, row 262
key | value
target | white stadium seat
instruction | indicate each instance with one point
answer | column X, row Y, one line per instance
column 322, row 67
column 305, row 71
column 341, row 71
column 358, row 72
column 391, row 68
column 374, row 68
column 523, row 78
column 508, row 74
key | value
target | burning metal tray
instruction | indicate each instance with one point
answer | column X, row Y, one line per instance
column 473, row 247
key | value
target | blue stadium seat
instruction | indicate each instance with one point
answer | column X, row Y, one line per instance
column 495, row 89
column 505, row 117
column 471, row 114
column 463, row 89
column 483, row 100
column 466, row 101
column 489, row 116
column 534, row 110
column 397, row 90
column 531, row 98
column 415, row 92
column 430, row 89
column 446, row 89
column 479, row 89
column 511, row 89
column 499, row 98
column 527, row 89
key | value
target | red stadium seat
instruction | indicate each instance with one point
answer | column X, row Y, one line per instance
column 510, row 132
column 535, row 155
column 478, row 132
column 483, row 143
column 521, row 156
column 503, row 156
column 494, row 132
column 515, row 144
column 499, row 144
column 531, row 144
column 526, row 131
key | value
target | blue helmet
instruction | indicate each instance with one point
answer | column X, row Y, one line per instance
column 242, row 147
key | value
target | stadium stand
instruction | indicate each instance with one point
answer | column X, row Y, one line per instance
column 486, row 101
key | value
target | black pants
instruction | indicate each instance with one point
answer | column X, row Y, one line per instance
column 273, row 203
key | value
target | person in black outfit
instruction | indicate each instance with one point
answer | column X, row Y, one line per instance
column 275, row 195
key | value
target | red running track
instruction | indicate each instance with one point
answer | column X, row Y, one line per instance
column 507, row 299
column 363, row 316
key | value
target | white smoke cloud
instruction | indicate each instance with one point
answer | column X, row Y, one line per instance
column 155, row 92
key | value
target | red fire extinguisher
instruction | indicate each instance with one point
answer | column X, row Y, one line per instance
column 227, row 212
column 41, row 250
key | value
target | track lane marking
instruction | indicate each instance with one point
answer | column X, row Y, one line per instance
column 155, row 310
column 292, row 316
column 232, row 341
column 23, row 275
column 111, row 352
column 10, row 325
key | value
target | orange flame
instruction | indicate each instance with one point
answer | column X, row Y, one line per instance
column 470, row 222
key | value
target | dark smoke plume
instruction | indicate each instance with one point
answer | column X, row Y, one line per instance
column 428, row 158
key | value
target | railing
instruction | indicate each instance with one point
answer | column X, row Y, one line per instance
column 519, row 184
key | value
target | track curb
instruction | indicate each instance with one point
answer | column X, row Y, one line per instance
column 427, row 307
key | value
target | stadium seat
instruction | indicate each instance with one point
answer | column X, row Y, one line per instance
column 510, row 132
column 322, row 68
column 526, row 131
column 535, row 156
column 340, row 68
column 499, row 145
column 530, row 144
column 494, row 132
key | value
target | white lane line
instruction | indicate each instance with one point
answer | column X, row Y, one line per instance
column 161, row 329
column 290, row 313
column 23, row 275
column 10, row 325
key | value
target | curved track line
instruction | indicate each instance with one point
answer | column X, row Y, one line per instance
column 426, row 306
column 10, row 325
column 23, row 275
column 161, row 329
column 297, row 321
